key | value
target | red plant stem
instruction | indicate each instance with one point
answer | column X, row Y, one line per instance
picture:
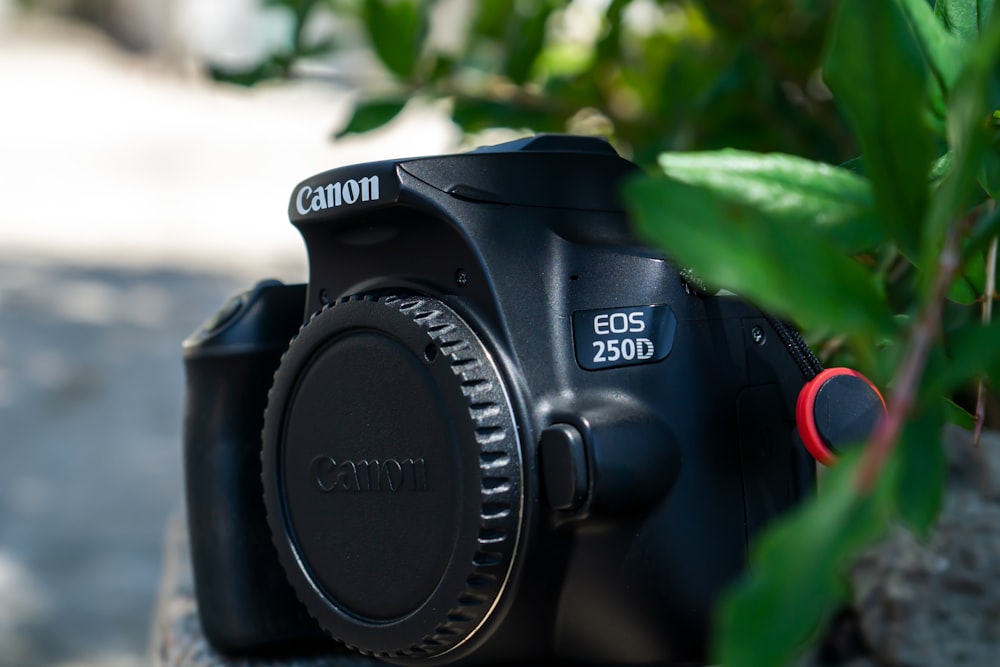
column 907, row 381
column 989, row 294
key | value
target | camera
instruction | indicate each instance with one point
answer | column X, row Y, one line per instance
column 495, row 427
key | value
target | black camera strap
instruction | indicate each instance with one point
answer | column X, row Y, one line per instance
column 797, row 347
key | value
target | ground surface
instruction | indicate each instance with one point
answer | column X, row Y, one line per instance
column 90, row 404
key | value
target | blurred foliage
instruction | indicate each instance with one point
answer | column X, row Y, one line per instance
column 892, row 260
column 888, row 262
column 650, row 75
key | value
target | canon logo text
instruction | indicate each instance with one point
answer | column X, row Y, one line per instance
column 332, row 195
column 390, row 475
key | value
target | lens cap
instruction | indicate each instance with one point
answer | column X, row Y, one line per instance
column 836, row 408
column 392, row 475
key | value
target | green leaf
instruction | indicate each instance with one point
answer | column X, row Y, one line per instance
column 957, row 415
column 609, row 45
column 791, row 269
column 797, row 571
column 940, row 167
column 526, row 37
column 941, row 49
column 970, row 353
column 968, row 286
column 372, row 114
column 474, row 114
column 989, row 177
column 877, row 72
column 793, row 189
column 969, row 126
column 986, row 228
column 441, row 68
column 397, row 29
column 855, row 165
column 964, row 18
column 920, row 476
column 271, row 68
column 492, row 17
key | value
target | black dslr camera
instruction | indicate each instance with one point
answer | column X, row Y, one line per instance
column 504, row 429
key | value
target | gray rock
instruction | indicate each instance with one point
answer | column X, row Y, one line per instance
column 937, row 603
column 177, row 636
column 90, row 413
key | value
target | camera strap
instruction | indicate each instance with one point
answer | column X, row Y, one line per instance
column 836, row 406
column 797, row 347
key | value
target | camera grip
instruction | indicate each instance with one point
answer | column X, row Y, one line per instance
column 245, row 601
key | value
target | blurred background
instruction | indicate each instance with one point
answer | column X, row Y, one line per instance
column 147, row 150
column 135, row 195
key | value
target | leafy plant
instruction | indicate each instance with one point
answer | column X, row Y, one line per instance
column 884, row 259
column 652, row 75
column 888, row 261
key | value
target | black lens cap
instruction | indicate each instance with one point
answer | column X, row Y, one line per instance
column 392, row 475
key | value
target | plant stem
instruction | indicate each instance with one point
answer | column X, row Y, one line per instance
column 989, row 294
column 906, row 383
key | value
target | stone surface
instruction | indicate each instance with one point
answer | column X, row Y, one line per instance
column 177, row 637
column 936, row 603
column 932, row 602
column 90, row 459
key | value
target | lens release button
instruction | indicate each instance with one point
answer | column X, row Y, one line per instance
column 564, row 467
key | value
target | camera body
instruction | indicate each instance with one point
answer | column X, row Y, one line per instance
column 505, row 431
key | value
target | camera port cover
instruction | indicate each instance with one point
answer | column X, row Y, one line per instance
column 392, row 475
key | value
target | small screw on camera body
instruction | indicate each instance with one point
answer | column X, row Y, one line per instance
column 461, row 277
column 758, row 335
